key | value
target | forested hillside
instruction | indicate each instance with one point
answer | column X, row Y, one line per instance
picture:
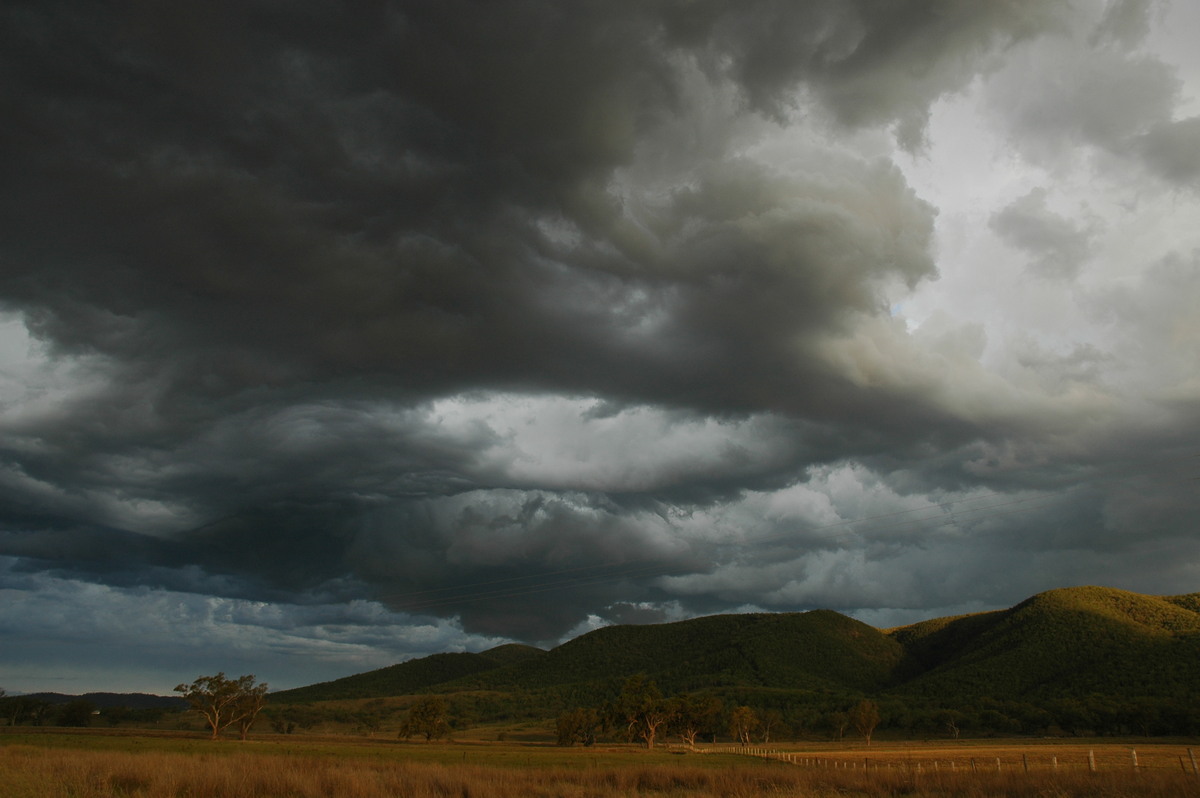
column 1074, row 642
column 1085, row 658
column 413, row 676
column 813, row 650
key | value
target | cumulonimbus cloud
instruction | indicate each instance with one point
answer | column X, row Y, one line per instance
column 535, row 315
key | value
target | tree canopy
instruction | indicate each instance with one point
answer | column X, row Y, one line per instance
column 427, row 718
column 224, row 702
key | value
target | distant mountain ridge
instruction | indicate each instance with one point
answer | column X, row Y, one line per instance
column 413, row 676
column 1067, row 642
column 107, row 700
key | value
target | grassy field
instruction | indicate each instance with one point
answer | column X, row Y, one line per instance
column 54, row 763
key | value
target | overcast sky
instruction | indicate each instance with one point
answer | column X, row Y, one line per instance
column 335, row 334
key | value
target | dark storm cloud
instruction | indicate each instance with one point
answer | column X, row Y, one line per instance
column 1058, row 245
column 486, row 309
column 1173, row 151
column 234, row 198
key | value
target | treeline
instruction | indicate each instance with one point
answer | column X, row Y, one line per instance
column 584, row 716
column 1096, row 715
column 636, row 709
column 80, row 713
column 640, row 712
column 460, row 711
column 806, row 714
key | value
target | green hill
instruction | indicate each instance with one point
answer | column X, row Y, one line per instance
column 1115, row 651
column 413, row 676
column 1072, row 642
column 812, row 650
column 512, row 653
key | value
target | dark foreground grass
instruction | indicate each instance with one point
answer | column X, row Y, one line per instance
column 329, row 770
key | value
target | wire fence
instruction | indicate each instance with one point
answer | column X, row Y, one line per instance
column 1108, row 760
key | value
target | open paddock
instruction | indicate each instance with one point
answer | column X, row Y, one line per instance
column 96, row 765
column 980, row 757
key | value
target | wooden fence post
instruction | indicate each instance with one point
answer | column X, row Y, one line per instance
column 1092, row 761
column 1025, row 762
column 1133, row 755
column 1192, row 756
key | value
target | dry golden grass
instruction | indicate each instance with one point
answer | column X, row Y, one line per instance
column 267, row 771
column 1025, row 755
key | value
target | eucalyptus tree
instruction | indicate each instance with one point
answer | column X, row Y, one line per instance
column 224, row 702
